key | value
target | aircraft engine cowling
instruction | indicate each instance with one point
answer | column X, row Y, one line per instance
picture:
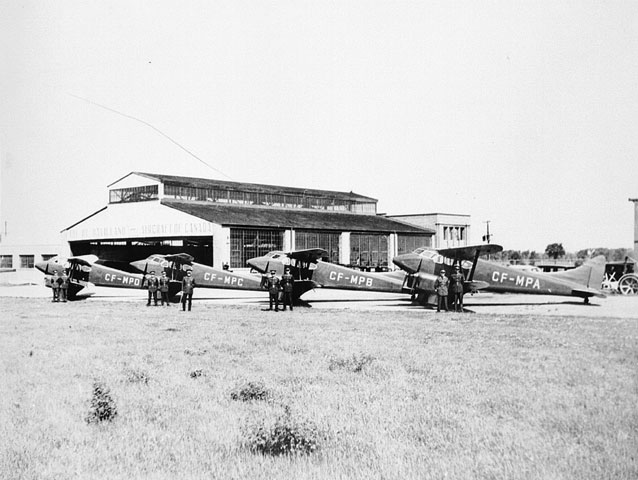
column 427, row 266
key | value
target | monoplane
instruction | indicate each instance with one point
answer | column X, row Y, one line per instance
column 84, row 273
column 424, row 265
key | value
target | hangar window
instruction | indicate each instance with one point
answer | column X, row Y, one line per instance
column 27, row 261
column 369, row 250
column 6, row 261
column 329, row 241
column 133, row 194
column 248, row 243
column 409, row 243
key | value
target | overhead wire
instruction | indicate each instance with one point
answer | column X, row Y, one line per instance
column 131, row 117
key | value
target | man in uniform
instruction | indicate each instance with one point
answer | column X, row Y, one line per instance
column 55, row 286
column 440, row 286
column 272, row 284
column 64, row 285
column 286, row 284
column 152, row 285
column 457, row 289
column 163, row 289
column 188, row 285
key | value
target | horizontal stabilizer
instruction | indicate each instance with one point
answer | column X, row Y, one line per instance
column 588, row 292
column 470, row 252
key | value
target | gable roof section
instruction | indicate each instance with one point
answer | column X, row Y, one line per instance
column 237, row 216
column 251, row 187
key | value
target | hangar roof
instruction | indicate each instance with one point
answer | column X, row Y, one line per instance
column 254, row 187
column 293, row 218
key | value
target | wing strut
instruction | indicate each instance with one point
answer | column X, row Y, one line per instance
column 475, row 261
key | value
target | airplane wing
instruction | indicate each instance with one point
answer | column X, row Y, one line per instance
column 181, row 258
column 85, row 260
column 470, row 252
column 309, row 255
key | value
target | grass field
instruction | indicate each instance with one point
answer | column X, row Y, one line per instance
column 366, row 395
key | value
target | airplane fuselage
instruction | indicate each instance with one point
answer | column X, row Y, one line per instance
column 584, row 281
column 210, row 277
column 330, row 275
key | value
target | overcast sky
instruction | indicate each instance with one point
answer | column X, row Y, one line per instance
column 521, row 113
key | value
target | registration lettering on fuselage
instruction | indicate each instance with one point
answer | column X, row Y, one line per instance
column 225, row 279
column 518, row 280
column 122, row 279
column 352, row 279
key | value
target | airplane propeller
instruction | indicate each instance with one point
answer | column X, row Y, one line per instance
column 144, row 274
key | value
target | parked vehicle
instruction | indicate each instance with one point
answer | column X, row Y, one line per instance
column 621, row 277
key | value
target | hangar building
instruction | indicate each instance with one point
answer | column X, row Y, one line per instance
column 226, row 223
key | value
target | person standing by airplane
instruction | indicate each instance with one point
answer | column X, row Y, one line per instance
column 441, row 288
column 457, row 289
column 188, row 285
column 287, row 281
column 273, row 284
column 64, row 285
column 163, row 289
column 55, row 286
column 152, row 285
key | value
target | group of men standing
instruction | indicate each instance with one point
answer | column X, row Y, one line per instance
column 60, row 286
column 279, row 288
column 442, row 284
column 161, row 284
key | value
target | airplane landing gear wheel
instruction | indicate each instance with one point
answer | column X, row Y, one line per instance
column 628, row 285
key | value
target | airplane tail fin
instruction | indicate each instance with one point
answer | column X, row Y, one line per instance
column 589, row 274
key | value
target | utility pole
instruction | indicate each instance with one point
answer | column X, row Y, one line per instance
column 487, row 236
column 635, row 201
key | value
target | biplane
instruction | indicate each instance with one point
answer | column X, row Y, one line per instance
column 85, row 272
column 309, row 272
column 424, row 265
column 205, row 276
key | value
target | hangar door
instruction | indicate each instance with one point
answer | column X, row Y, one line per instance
column 118, row 253
column 246, row 243
column 329, row 241
column 369, row 250
column 409, row 243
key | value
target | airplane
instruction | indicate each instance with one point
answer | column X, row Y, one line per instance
column 309, row 272
column 176, row 265
column 85, row 272
column 424, row 264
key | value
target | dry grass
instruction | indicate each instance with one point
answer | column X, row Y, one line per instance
column 411, row 395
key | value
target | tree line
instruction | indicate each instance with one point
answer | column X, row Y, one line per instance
column 555, row 251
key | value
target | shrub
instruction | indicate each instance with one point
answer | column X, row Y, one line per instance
column 102, row 407
column 250, row 391
column 195, row 352
column 286, row 436
column 137, row 376
column 356, row 363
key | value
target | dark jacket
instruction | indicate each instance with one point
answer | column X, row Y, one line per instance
column 152, row 284
column 286, row 282
column 188, row 284
column 457, row 282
